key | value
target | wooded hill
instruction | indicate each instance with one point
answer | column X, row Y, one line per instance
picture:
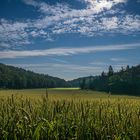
column 18, row 78
column 126, row 81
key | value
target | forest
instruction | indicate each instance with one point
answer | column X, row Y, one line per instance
column 125, row 81
column 18, row 78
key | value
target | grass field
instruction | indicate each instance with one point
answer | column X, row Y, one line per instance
column 65, row 114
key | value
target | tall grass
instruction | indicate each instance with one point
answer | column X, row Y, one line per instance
column 69, row 119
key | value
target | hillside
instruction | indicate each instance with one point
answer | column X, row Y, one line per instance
column 78, row 81
column 125, row 81
column 18, row 78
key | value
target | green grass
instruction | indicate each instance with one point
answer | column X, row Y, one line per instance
column 68, row 114
column 66, row 89
column 62, row 93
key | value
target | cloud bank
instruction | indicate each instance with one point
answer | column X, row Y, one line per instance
column 97, row 17
column 66, row 51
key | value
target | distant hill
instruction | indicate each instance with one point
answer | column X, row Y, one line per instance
column 78, row 81
column 126, row 81
column 18, row 78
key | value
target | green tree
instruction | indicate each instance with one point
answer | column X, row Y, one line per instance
column 110, row 71
column 83, row 83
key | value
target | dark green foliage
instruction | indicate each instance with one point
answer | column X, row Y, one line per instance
column 110, row 71
column 83, row 84
column 17, row 78
column 126, row 81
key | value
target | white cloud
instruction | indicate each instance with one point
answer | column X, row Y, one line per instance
column 97, row 63
column 90, row 21
column 110, row 23
column 66, row 69
column 118, row 59
column 97, row 18
column 66, row 51
column 103, row 4
column 4, row 45
column 31, row 2
column 13, row 33
column 59, row 60
column 70, row 67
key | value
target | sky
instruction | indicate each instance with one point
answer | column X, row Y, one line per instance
column 70, row 38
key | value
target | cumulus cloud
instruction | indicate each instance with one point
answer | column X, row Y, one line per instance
column 96, row 18
column 13, row 33
column 66, row 51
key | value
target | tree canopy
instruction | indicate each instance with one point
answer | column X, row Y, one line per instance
column 126, row 81
column 18, row 78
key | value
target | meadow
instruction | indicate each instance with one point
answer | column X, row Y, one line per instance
column 68, row 114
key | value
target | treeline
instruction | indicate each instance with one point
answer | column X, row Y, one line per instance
column 18, row 78
column 126, row 81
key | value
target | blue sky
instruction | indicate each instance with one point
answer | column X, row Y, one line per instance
column 70, row 38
